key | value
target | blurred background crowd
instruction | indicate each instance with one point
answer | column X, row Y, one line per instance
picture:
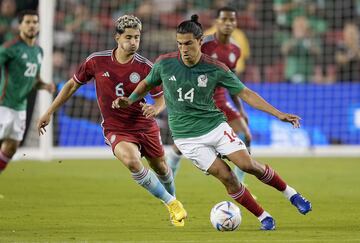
column 294, row 41
column 282, row 42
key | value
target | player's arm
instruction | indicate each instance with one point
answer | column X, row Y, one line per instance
column 150, row 111
column 40, row 84
column 256, row 101
column 5, row 55
column 239, row 107
column 66, row 92
column 139, row 92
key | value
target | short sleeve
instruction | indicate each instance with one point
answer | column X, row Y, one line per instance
column 85, row 72
column 231, row 82
column 154, row 77
column 5, row 55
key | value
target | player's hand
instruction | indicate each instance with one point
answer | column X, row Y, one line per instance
column 293, row 119
column 121, row 102
column 149, row 111
column 51, row 88
column 42, row 123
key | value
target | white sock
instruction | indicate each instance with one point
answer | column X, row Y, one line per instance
column 289, row 192
column 263, row 216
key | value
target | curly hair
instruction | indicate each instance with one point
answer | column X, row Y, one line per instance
column 127, row 21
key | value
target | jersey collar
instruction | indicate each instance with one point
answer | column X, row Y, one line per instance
column 113, row 58
column 181, row 61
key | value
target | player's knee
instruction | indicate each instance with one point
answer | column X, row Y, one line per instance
column 160, row 167
column 248, row 166
column 228, row 178
column 132, row 162
column 252, row 167
column 9, row 149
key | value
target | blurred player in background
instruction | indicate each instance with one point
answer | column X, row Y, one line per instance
column 20, row 61
column 133, row 132
column 221, row 47
column 200, row 131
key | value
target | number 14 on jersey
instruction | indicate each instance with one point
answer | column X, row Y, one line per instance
column 187, row 96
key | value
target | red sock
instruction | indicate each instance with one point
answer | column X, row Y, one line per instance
column 244, row 198
column 4, row 160
column 271, row 178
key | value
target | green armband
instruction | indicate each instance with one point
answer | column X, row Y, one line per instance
column 134, row 97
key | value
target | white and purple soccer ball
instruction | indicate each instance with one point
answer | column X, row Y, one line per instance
column 225, row 216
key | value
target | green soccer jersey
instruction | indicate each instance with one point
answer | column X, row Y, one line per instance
column 188, row 92
column 20, row 65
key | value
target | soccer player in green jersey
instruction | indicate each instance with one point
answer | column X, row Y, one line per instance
column 222, row 47
column 200, row 131
column 20, row 61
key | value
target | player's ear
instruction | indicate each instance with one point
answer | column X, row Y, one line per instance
column 117, row 37
column 201, row 40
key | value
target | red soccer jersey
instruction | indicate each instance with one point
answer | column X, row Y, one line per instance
column 112, row 80
column 225, row 53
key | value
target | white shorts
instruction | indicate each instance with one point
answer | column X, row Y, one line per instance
column 12, row 123
column 203, row 150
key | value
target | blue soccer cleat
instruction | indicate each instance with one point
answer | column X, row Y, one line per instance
column 268, row 223
column 303, row 205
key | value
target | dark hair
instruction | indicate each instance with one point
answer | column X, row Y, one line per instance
column 225, row 9
column 26, row 12
column 191, row 26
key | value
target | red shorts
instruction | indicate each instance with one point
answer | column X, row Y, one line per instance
column 149, row 142
column 230, row 112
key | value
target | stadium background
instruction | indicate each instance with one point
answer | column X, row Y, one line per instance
column 324, row 93
column 94, row 200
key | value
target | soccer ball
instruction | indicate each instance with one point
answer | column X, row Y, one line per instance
column 225, row 216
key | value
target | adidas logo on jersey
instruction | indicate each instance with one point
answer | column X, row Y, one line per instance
column 172, row 78
column 106, row 74
column 24, row 56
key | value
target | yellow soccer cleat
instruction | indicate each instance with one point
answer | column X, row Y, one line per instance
column 177, row 223
column 177, row 213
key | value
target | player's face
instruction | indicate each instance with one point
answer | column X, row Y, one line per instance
column 189, row 47
column 226, row 22
column 129, row 40
column 29, row 26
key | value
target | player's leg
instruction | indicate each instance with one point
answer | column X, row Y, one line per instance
column 173, row 157
column 241, row 129
column 234, row 149
column 238, row 127
column 7, row 151
column 129, row 154
column 205, row 158
column 268, row 176
column 240, row 193
column 163, row 172
column 152, row 149
column 12, row 127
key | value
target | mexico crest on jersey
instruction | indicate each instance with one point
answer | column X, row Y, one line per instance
column 202, row 80
column 134, row 77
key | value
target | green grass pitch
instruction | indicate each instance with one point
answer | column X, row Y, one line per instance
column 96, row 201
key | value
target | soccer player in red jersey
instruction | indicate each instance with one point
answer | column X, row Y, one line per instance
column 133, row 132
column 221, row 47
